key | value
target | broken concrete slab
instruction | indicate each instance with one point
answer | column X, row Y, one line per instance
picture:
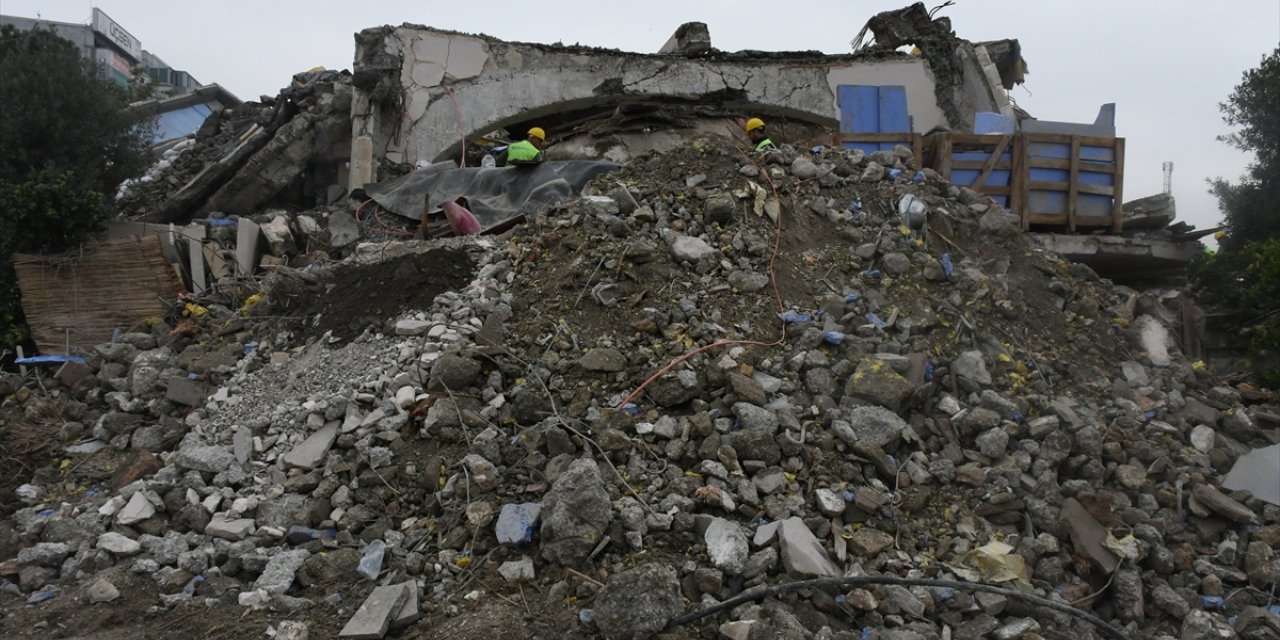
column 517, row 571
column 410, row 612
column 280, row 570
column 802, row 553
column 1257, row 472
column 690, row 39
column 312, row 451
column 248, row 247
column 1123, row 257
column 185, row 391
column 137, row 510
column 372, row 620
column 1223, row 504
column 1088, row 535
column 229, row 529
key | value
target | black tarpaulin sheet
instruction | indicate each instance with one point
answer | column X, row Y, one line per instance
column 494, row 195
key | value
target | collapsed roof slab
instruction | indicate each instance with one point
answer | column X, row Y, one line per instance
column 1124, row 258
column 420, row 90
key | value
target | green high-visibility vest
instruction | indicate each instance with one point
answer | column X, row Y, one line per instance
column 765, row 144
column 523, row 151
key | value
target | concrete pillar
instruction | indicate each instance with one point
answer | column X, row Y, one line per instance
column 361, row 162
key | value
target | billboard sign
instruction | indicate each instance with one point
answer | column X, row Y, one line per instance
column 112, row 31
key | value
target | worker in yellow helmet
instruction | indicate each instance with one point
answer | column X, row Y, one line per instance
column 527, row 151
column 755, row 131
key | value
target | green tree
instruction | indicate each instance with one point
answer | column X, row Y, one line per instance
column 1243, row 278
column 67, row 139
column 1251, row 207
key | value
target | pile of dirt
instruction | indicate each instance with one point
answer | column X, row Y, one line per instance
column 352, row 298
column 712, row 376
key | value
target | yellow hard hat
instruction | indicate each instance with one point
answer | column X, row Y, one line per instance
column 538, row 133
column 753, row 124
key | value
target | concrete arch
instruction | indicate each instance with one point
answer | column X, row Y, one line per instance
column 439, row 78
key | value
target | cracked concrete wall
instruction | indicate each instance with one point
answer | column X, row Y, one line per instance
column 452, row 85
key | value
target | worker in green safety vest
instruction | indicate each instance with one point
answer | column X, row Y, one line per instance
column 755, row 131
column 527, row 151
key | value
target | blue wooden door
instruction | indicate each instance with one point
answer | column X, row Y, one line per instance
column 873, row 109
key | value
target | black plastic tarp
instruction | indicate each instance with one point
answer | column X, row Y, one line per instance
column 495, row 195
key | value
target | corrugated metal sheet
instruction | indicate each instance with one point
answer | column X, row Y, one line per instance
column 181, row 122
column 80, row 297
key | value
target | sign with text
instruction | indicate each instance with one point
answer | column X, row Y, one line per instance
column 115, row 33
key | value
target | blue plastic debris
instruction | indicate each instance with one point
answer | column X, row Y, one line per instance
column 947, row 267
column 816, row 150
column 855, row 205
column 871, row 273
column 876, row 321
column 1212, row 603
column 894, row 173
column 517, row 522
column 796, row 316
column 1150, row 415
column 1018, row 417
column 371, row 562
column 918, row 177
column 1275, row 608
column 853, row 297
column 943, row 594
column 866, row 633
column 190, row 588
column 848, row 495
column 222, row 222
column 630, row 409
column 41, row 596
column 47, row 513
column 928, row 371
column 250, row 347
column 48, row 359
column 832, row 337
column 586, row 616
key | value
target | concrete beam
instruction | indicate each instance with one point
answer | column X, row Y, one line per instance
column 1121, row 257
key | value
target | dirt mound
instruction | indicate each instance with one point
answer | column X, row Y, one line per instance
column 351, row 298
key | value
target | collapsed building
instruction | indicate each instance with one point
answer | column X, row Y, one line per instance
column 835, row 390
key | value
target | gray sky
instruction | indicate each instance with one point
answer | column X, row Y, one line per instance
column 1167, row 64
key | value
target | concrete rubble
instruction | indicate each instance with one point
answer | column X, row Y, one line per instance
column 863, row 393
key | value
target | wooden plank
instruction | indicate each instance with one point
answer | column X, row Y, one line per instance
column 981, row 180
column 917, row 150
column 1018, row 181
column 1003, row 165
column 1046, row 218
column 944, row 156
column 1065, row 164
column 893, row 109
column 1065, row 187
column 1065, row 138
column 1073, row 182
column 1117, row 204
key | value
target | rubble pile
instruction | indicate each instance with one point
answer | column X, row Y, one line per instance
column 288, row 146
column 713, row 373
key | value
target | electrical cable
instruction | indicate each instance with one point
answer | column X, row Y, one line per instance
column 1106, row 628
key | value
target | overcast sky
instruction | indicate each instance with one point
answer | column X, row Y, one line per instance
column 1167, row 64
